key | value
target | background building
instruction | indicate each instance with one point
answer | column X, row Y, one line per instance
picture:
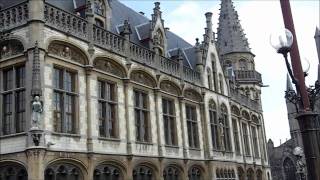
column 120, row 100
column 283, row 162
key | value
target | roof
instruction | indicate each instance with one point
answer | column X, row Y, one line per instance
column 231, row 37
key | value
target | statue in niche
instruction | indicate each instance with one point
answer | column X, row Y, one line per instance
column 221, row 133
column 98, row 7
column 36, row 112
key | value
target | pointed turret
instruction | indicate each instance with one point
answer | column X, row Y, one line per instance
column 231, row 37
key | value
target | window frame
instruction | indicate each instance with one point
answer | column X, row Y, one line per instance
column 246, row 143
column 14, row 92
column 146, row 112
column 74, row 93
column 195, row 141
column 214, row 125
column 114, row 103
column 236, row 133
column 172, row 126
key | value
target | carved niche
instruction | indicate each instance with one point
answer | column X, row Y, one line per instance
column 255, row 119
column 192, row 95
column 235, row 110
column 169, row 87
column 10, row 47
column 245, row 115
column 67, row 51
column 142, row 78
column 109, row 67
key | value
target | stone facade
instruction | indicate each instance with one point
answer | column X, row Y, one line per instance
column 73, row 42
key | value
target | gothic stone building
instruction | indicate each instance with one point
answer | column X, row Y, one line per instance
column 119, row 99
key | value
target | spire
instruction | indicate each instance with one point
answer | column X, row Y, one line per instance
column 231, row 37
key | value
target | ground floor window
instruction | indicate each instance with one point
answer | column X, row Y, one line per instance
column 12, row 171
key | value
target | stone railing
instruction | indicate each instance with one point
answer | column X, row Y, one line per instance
column 65, row 21
column 108, row 40
column 247, row 75
column 242, row 99
column 169, row 66
column 191, row 75
column 142, row 55
column 74, row 25
column 14, row 16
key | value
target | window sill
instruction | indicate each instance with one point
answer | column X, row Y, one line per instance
column 66, row 134
column 172, row 146
column 13, row 135
column 109, row 139
column 194, row 149
column 144, row 143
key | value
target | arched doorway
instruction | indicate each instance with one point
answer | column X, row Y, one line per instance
column 12, row 171
column 63, row 171
column 289, row 169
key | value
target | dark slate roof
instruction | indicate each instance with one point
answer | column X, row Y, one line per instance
column 140, row 25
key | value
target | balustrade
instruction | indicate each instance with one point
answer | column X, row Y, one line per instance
column 108, row 40
column 242, row 99
column 247, row 75
column 191, row 75
column 169, row 66
column 14, row 16
column 142, row 54
column 65, row 21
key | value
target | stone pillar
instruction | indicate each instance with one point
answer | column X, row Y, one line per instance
column 126, row 83
column 184, row 143
column 204, row 125
column 156, row 101
column 88, row 72
column 35, row 163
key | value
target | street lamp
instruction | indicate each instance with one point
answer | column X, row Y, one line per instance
column 306, row 115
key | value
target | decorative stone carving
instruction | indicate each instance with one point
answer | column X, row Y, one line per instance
column 67, row 52
column 235, row 110
column 142, row 78
column 110, row 67
column 36, row 112
column 192, row 95
column 169, row 87
column 10, row 47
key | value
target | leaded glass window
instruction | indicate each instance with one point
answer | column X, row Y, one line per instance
column 172, row 173
column 143, row 173
column 192, row 125
column 236, row 136
column 64, row 100
column 169, row 121
column 214, row 124
column 246, row 139
column 195, row 173
column 255, row 141
column 12, row 171
column 13, row 100
column 141, row 109
column 226, row 127
column 107, row 109
column 107, row 172
column 63, row 171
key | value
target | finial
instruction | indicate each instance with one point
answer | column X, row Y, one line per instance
column 157, row 5
column 197, row 42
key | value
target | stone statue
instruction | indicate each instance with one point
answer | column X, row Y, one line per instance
column 36, row 112
column 221, row 133
column 300, row 165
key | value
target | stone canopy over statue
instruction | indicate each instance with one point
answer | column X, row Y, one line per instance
column 36, row 112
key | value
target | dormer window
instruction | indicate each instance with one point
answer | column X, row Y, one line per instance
column 99, row 7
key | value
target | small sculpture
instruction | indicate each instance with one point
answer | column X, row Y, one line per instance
column 36, row 112
column 221, row 133
column 300, row 165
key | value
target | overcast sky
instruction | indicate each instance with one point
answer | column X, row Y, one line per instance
column 259, row 19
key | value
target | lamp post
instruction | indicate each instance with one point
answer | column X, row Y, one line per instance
column 305, row 104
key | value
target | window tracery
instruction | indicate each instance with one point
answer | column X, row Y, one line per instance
column 143, row 172
column 171, row 173
column 103, row 172
column 12, row 171
column 195, row 173
column 63, row 171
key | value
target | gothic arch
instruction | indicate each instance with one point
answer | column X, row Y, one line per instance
column 173, row 171
column 13, row 170
column 170, row 87
column 11, row 47
column 241, row 173
column 289, row 169
column 235, row 110
column 259, row 174
column 109, row 66
column 68, row 50
column 192, row 95
column 250, row 174
column 255, row 119
column 196, row 172
column 65, row 169
column 146, row 170
column 245, row 115
column 109, row 169
column 143, row 77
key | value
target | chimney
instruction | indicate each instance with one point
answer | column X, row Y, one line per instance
column 209, row 31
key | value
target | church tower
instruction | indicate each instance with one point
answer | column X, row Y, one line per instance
column 235, row 53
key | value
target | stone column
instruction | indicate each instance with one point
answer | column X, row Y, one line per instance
column 159, row 142
column 35, row 163
column 204, row 125
column 126, row 83
column 88, row 71
column 184, row 143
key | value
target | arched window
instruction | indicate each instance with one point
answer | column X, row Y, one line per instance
column 63, row 171
column 209, row 79
column 226, row 127
column 172, row 173
column 143, row 172
column 12, row 171
column 243, row 65
column 236, row 135
column 250, row 174
column 214, row 125
column 289, row 169
column 241, row 174
column 214, row 72
column 259, row 175
column 221, row 84
column 194, row 173
column 107, row 172
column 99, row 7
